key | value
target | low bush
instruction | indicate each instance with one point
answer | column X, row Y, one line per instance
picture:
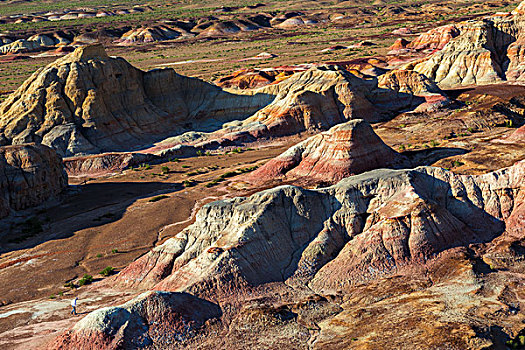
column 87, row 279
column 108, row 271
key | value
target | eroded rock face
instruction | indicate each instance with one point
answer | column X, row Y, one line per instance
column 29, row 175
column 105, row 163
column 373, row 224
column 487, row 51
column 364, row 228
column 151, row 34
column 325, row 96
column 346, row 149
column 435, row 39
column 88, row 102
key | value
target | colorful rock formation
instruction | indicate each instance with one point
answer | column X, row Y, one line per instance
column 324, row 96
column 151, row 34
column 435, row 39
column 88, row 102
column 487, row 51
column 346, row 149
column 364, row 228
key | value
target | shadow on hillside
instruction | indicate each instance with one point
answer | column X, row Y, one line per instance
column 431, row 155
column 83, row 206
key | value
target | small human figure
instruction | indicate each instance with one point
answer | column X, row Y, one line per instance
column 74, row 306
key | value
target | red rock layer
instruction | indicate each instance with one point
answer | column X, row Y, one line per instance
column 344, row 150
column 435, row 39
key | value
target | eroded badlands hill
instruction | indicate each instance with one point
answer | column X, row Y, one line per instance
column 346, row 149
column 364, row 228
column 88, row 102
column 484, row 52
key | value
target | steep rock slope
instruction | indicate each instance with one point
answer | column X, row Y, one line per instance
column 29, row 175
column 365, row 227
column 487, row 51
column 88, row 102
column 346, row 149
column 435, row 38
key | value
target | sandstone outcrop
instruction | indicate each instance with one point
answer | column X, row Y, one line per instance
column 30, row 174
column 435, row 39
column 401, row 88
column 151, row 34
column 254, row 78
column 366, row 227
column 105, row 163
column 346, row 149
column 88, row 102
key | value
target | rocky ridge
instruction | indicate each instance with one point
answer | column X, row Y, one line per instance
column 364, row 228
column 327, row 95
column 88, row 102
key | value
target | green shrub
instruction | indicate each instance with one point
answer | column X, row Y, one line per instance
column 114, row 251
column 99, row 255
column 165, row 170
column 518, row 342
column 401, row 147
column 434, row 143
column 87, row 279
column 457, row 163
column 108, row 271
column 200, row 153
column 143, row 166
column 158, row 198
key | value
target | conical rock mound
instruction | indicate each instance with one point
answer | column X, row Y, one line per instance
column 346, row 149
